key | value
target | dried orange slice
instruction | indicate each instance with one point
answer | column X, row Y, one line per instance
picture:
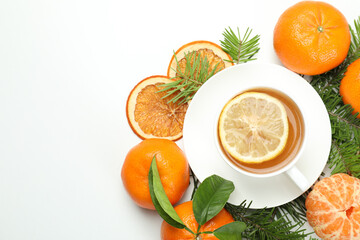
column 333, row 207
column 213, row 53
column 150, row 115
column 253, row 127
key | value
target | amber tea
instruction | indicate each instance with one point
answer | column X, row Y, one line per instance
column 294, row 140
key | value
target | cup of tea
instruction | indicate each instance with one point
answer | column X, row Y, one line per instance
column 238, row 150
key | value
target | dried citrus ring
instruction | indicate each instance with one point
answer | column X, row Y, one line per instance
column 150, row 115
column 253, row 127
column 213, row 53
column 333, row 207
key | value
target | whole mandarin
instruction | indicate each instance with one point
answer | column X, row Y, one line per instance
column 172, row 165
column 350, row 87
column 311, row 37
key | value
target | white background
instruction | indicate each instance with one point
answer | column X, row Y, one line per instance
column 66, row 68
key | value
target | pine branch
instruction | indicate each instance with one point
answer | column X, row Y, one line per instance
column 264, row 224
column 345, row 126
column 241, row 49
column 354, row 51
column 189, row 79
column 345, row 158
column 294, row 210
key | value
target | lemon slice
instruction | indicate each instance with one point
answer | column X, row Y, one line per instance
column 253, row 127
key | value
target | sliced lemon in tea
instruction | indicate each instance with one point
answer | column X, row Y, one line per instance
column 253, row 127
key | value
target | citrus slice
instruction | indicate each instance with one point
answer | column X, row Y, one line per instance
column 150, row 115
column 253, row 127
column 216, row 57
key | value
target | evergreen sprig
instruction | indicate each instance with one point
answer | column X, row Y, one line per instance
column 354, row 51
column 198, row 70
column 345, row 158
column 241, row 49
column 264, row 224
column 294, row 210
column 189, row 80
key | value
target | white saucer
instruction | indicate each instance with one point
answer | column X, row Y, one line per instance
column 199, row 138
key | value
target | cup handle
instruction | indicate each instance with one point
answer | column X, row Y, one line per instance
column 298, row 178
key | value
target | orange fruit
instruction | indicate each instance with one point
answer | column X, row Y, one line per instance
column 213, row 53
column 350, row 87
column 185, row 212
column 152, row 116
column 173, row 169
column 333, row 207
column 311, row 37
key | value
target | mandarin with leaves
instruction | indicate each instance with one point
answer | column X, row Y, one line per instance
column 350, row 87
column 333, row 207
column 185, row 212
column 311, row 37
column 173, row 169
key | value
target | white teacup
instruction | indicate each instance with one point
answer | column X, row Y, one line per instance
column 290, row 168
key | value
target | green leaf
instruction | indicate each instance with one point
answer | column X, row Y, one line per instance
column 230, row 231
column 211, row 197
column 160, row 200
